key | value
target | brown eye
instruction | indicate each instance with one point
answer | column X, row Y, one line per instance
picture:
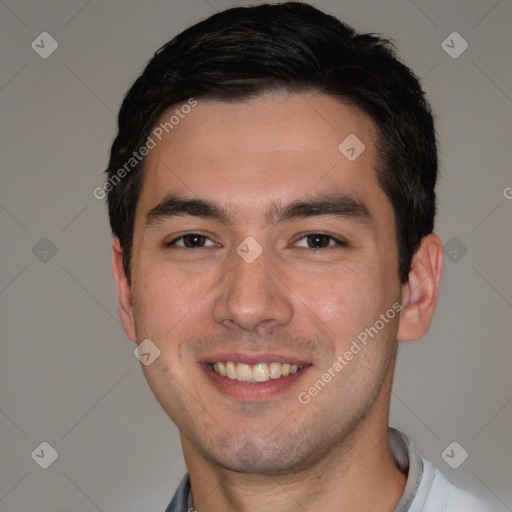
column 191, row 241
column 318, row 241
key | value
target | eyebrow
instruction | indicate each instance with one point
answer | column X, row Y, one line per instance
column 174, row 206
column 334, row 204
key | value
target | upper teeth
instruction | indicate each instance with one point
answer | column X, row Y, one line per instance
column 256, row 373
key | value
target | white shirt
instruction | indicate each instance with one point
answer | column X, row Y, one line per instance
column 427, row 489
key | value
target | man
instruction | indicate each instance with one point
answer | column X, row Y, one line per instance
column 271, row 194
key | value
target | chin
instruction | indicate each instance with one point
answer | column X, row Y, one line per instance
column 251, row 457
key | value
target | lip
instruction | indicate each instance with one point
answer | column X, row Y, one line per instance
column 253, row 391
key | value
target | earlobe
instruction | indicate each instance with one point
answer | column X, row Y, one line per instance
column 124, row 297
column 420, row 293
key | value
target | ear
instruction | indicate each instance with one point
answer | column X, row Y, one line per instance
column 419, row 294
column 124, row 298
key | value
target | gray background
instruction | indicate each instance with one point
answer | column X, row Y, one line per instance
column 69, row 377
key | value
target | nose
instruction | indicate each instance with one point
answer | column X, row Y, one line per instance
column 252, row 297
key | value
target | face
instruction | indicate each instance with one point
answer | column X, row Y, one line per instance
column 261, row 253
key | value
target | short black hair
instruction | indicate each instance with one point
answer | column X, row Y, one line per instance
column 246, row 51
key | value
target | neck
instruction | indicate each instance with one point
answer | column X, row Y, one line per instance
column 356, row 474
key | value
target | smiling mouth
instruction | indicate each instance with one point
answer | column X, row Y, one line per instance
column 261, row 372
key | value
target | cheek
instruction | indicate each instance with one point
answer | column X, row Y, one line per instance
column 165, row 300
column 345, row 301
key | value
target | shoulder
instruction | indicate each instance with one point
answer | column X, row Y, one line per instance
column 461, row 500
column 180, row 501
column 427, row 488
column 443, row 496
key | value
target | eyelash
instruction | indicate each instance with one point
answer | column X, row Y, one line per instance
column 173, row 243
column 337, row 242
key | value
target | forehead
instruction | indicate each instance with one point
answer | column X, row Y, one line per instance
column 250, row 154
